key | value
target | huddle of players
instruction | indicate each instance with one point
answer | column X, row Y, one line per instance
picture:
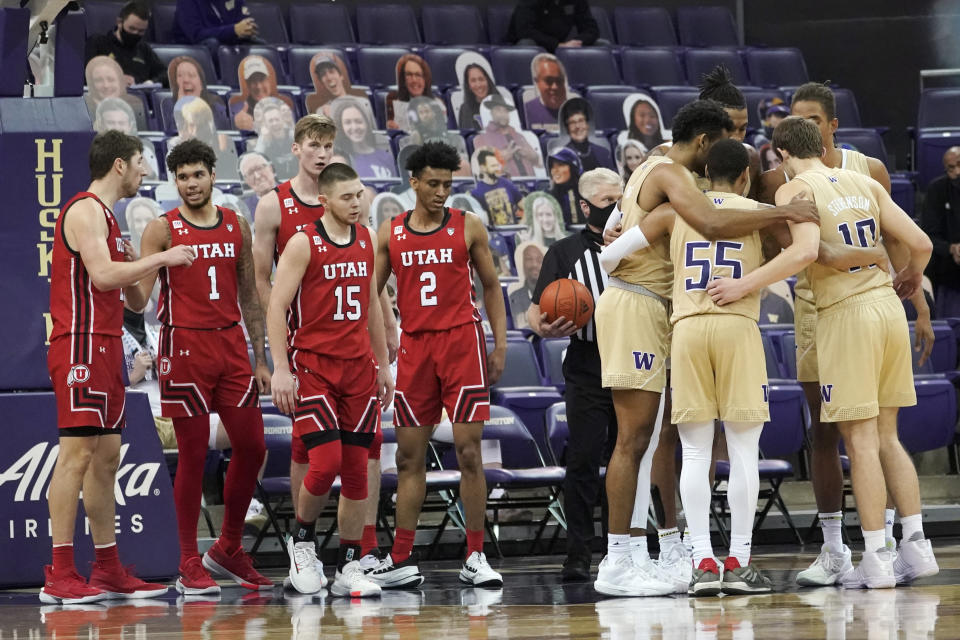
column 702, row 258
column 333, row 376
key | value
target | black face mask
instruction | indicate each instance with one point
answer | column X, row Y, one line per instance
column 598, row 217
column 128, row 39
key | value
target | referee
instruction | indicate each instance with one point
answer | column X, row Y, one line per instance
column 590, row 414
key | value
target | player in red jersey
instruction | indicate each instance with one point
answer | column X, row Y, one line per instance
column 324, row 305
column 90, row 264
column 291, row 207
column 443, row 360
column 203, row 362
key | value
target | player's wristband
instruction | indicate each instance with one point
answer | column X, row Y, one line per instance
column 631, row 240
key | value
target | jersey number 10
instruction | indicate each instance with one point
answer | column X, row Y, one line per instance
column 861, row 226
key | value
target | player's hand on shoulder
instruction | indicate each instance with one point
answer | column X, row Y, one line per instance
column 726, row 290
column 181, row 255
column 283, row 391
column 495, row 363
column 801, row 209
column 262, row 373
column 559, row 328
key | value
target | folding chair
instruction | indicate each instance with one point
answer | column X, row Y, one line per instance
column 273, row 490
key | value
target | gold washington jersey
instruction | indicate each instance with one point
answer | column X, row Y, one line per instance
column 651, row 266
column 852, row 161
column 848, row 214
column 697, row 261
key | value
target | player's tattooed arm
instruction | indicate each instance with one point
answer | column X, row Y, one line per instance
column 478, row 244
column 250, row 307
column 266, row 222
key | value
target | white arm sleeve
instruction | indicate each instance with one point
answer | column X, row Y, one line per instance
column 615, row 216
column 631, row 240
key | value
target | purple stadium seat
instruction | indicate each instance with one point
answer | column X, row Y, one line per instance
column 442, row 61
column 867, row 142
column 939, row 108
column 652, row 67
column 378, row 65
column 551, row 355
column 604, row 29
column 589, row 65
column 699, row 62
column 848, row 113
column 167, row 52
column 930, row 423
column 511, row 65
column 931, row 145
column 101, row 17
column 498, row 22
column 644, row 27
column 608, row 107
column 387, row 24
column 706, row 27
column 452, row 24
column 522, row 386
column 231, row 55
column 670, row 99
column 321, row 24
column 558, row 432
column 162, row 19
column 776, row 67
column 271, row 25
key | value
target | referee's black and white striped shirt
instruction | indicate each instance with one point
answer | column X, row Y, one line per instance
column 577, row 257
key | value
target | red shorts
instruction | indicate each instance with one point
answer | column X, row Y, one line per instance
column 336, row 396
column 204, row 370
column 439, row 370
column 89, row 394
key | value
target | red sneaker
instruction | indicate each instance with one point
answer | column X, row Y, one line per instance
column 67, row 588
column 123, row 584
column 236, row 566
column 194, row 580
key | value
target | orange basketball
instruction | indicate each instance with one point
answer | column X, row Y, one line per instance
column 567, row 298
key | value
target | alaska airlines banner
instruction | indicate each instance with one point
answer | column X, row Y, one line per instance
column 146, row 523
column 42, row 167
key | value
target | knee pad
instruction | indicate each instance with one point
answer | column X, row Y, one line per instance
column 353, row 472
column 374, row 452
column 325, row 462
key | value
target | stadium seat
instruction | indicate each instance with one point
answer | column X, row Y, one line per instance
column 387, row 24
column 271, row 25
column 644, row 27
column 939, row 108
column 273, row 489
column 558, row 432
column 167, row 52
column 299, row 58
column 511, row 65
column 848, row 113
column 498, row 22
column 608, row 108
column 321, row 24
column 776, row 67
column 442, row 61
column 699, row 62
column 552, row 351
column 162, row 18
column 652, row 67
column 589, row 65
column 774, row 367
column 944, row 356
column 101, row 17
column 931, row 145
column 522, row 386
column 788, row 343
column 867, row 142
column 706, row 27
column 378, row 65
column 452, row 24
column 604, row 30
column 671, row 99
column 230, row 57
column 930, row 423
column 753, row 95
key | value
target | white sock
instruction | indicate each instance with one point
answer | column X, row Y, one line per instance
column 888, row 515
column 874, row 540
column 743, row 447
column 668, row 538
column 638, row 545
column 641, row 501
column 831, row 524
column 618, row 545
column 695, row 492
column 911, row 526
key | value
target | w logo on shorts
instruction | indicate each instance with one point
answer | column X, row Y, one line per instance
column 644, row 361
column 826, row 391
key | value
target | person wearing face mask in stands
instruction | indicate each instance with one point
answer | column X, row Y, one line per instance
column 589, row 407
column 125, row 44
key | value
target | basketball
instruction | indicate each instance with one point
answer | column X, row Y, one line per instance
column 567, row 298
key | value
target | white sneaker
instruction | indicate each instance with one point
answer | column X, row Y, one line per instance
column 370, row 562
column 676, row 567
column 477, row 572
column 915, row 560
column 351, row 582
column 875, row 571
column 306, row 571
column 827, row 569
column 620, row 577
column 400, row 575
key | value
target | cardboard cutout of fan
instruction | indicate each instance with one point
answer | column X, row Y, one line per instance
column 568, row 298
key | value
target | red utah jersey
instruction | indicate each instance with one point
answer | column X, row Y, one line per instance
column 328, row 316
column 295, row 215
column 76, row 306
column 434, row 274
column 205, row 294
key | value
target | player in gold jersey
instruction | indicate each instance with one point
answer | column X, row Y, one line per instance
column 718, row 361
column 632, row 314
column 864, row 360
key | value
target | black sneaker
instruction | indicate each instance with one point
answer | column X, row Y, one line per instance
column 575, row 569
column 400, row 575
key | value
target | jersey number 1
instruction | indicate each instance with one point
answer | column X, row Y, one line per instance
column 212, row 274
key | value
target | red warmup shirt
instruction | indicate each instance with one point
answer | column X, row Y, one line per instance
column 205, row 294
column 434, row 274
column 295, row 215
column 76, row 306
column 328, row 315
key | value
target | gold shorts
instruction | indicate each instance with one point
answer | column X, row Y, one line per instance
column 805, row 324
column 865, row 342
column 633, row 336
column 719, row 370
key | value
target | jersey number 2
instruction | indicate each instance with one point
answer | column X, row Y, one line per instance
column 353, row 305
column 428, row 280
